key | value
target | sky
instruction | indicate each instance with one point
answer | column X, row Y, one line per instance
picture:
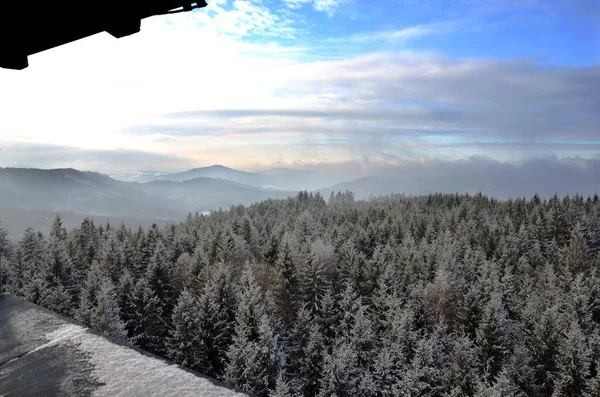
column 316, row 84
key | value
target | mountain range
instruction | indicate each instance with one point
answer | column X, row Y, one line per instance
column 32, row 197
column 36, row 195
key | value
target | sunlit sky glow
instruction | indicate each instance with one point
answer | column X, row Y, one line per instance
column 254, row 84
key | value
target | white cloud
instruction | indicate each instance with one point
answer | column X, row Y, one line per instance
column 399, row 35
column 327, row 6
column 241, row 18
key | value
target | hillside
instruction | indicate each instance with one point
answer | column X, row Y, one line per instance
column 270, row 179
column 37, row 195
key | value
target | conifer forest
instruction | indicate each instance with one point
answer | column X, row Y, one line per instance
column 438, row 295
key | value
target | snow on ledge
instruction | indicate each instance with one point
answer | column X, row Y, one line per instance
column 126, row 372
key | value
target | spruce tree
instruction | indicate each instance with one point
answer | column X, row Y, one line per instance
column 183, row 341
column 573, row 364
column 216, row 311
column 493, row 337
column 254, row 355
column 5, row 251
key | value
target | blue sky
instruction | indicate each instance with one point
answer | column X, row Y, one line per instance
column 316, row 83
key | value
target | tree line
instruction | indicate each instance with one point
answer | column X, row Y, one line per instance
column 438, row 295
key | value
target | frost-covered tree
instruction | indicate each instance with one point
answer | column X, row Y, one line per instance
column 144, row 319
column 573, row 364
column 105, row 318
column 216, row 313
column 254, row 356
column 493, row 338
column 313, row 283
column 5, row 253
column 183, row 341
column 464, row 367
column 58, row 273
column 99, row 308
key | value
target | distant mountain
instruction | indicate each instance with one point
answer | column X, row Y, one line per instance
column 284, row 179
column 69, row 190
column 287, row 172
column 46, row 192
column 215, row 171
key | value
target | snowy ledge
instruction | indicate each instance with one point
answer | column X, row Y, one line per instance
column 44, row 353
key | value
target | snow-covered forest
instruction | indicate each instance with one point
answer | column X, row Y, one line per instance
column 439, row 295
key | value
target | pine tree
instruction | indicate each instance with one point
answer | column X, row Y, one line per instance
column 399, row 341
column 339, row 372
column 311, row 363
column 313, row 283
column 99, row 308
column 573, row 364
column 426, row 376
column 5, row 251
column 254, row 355
column 160, row 278
column 594, row 385
column 463, row 367
column 216, row 311
column 502, row 387
column 58, row 274
column 543, row 343
column 288, row 294
column 145, row 324
column 493, row 337
column 575, row 257
column 365, row 345
column 32, row 249
column 282, row 387
column 105, row 318
column 183, row 342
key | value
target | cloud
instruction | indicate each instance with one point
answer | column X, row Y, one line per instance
column 56, row 156
column 397, row 35
column 479, row 103
column 242, row 18
column 503, row 180
column 327, row 6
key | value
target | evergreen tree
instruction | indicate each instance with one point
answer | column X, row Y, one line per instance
column 493, row 338
column 5, row 251
column 426, row 376
column 32, row 249
column 311, row 363
column 464, row 367
column 145, row 324
column 313, row 283
column 216, row 313
column 160, row 278
column 502, row 387
column 339, row 372
column 105, row 318
column 576, row 253
column 573, row 364
column 282, row 387
column 99, row 308
column 254, row 355
column 288, row 294
column 183, row 342
column 58, row 274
